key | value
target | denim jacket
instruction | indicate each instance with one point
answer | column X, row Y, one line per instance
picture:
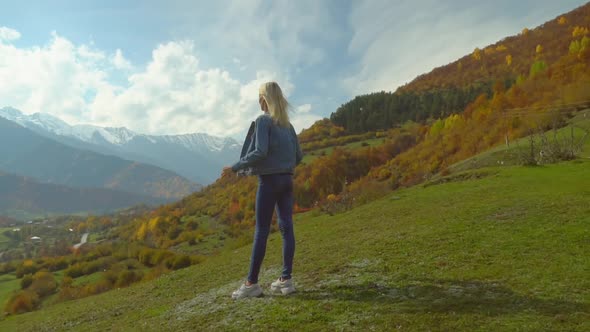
column 268, row 149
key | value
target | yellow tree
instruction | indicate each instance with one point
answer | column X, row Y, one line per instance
column 476, row 54
column 579, row 31
column 501, row 48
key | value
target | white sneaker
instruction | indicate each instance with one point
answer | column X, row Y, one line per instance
column 244, row 291
column 286, row 286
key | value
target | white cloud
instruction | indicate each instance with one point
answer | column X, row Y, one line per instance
column 304, row 108
column 55, row 78
column 302, row 117
column 172, row 94
column 8, row 34
column 397, row 41
column 120, row 62
column 276, row 35
column 301, row 121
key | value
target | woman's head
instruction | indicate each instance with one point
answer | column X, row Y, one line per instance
column 271, row 100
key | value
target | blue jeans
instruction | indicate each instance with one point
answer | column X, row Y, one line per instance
column 273, row 190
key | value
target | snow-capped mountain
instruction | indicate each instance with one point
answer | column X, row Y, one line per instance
column 199, row 157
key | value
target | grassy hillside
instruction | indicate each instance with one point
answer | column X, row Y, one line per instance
column 512, row 154
column 313, row 154
column 503, row 249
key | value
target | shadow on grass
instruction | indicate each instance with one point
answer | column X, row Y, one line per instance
column 442, row 296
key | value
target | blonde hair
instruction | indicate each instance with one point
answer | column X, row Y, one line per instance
column 277, row 105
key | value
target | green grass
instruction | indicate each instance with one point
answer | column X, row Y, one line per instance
column 8, row 284
column 503, row 155
column 311, row 155
column 5, row 241
column 505, row 251
column 87, row 279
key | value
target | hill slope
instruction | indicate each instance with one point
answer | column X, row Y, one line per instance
column 505, row 249
column 20, row 196
column 562, row 44
column 49, row 161
column 491, row 63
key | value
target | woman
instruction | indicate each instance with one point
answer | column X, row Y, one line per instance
column 271, row 151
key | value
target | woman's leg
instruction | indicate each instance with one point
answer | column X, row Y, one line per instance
column 285, row 213
column 265, row 204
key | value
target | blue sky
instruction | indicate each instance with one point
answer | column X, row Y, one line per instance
column 172, row 67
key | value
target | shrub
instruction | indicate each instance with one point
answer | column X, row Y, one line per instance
column 7, row 267
column 26, row 281
column 160, row 256
column 66, row 281
column 22, row 301
column 100, row 286
column 128, row 277
column 155, row 272
column 197, row 259
column 74, row 271
column 69, row 293
column 130, row 264
column 56, row 264
column 178, row 262
column 145, row 256
column 26, row 267
column 110, row 276
column 43, row 283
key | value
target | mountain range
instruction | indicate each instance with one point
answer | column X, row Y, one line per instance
column 198, row 157
column 28, row 154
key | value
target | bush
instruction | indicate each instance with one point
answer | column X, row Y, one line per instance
column 74, row 271
column 26, row 267
column 87, row 268
column 130, row 264
column 99, row 287
column 26, row 281
column 145, row 256
column 67, row 281
column 197, row 259
column 128, row 277
column 178, row 262
column 110, row 276
column 22, row 301
column 7, row 267
column 43, row 283
column 56, row 264
column 160, row 256
column 69, row 293
column 155, row 272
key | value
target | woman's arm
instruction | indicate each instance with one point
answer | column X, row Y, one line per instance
column 261, row 147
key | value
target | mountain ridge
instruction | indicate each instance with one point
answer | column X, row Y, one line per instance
column 196, row 156
column 49, row 161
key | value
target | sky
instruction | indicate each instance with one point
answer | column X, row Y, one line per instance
column 176, row 67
